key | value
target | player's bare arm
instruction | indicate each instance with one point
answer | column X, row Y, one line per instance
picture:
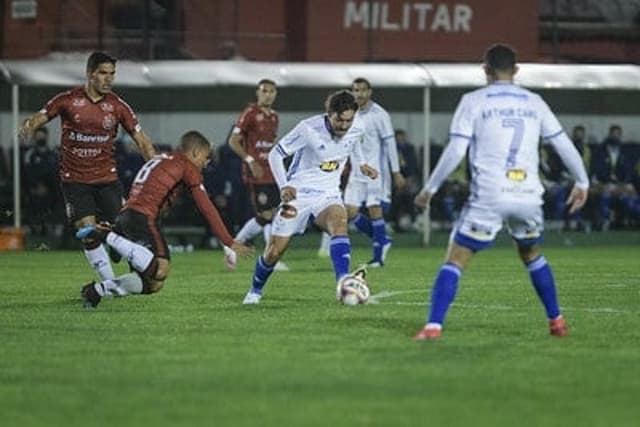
column 235, row 142
column 31, row 124
column 143, row 142
column 287, row 194
column 368, row 171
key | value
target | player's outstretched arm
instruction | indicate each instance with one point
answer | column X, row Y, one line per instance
column 144, row 144
column 30, row 125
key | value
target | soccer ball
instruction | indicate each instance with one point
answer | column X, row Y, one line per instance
column 352, row 290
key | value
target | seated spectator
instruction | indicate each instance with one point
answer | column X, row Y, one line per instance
column 612, row 180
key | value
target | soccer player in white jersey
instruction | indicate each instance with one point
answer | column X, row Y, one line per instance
column 381, row 153
column 320, row 145
column 501, row 125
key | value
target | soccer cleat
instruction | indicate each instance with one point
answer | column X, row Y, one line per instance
column 90, row 297
column 428, row 334
column 280, row 266
column 96, row 232
column 252, row 298
column 375, row 264
column 385, row 249
column 558, row 327
column 323, row 253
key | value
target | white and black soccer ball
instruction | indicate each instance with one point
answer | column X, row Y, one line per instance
column 352, row 290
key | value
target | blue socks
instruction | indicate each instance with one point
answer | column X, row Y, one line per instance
column 379, row 238
column 363, row 224
column 340, row 251
column 443, row 292
column 260, row 275
column 544, row 284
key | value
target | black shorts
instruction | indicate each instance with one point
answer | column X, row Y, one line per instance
column 264, row 197
column 100, row 200
column 142, row 230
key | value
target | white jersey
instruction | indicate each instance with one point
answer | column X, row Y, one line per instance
column 379, row 147
column 318, row 156
column 503, row 124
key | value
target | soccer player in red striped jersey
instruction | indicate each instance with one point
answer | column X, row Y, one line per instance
column 136, row 234
column 90, row 116
column 252, row 138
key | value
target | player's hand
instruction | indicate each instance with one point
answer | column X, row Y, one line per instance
column 368, row 171
column 24, row 133
column 398, row 181
column 422, row 199
column 287, row 194
column 256, row 169
column 243, row 251
column 577, row 198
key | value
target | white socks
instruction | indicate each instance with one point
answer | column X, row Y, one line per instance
column 138, row 256
column 249, row 230
column 127, row 284
column 99, row 260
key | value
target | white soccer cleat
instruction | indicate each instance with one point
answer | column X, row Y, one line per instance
column 323, row 253
column 252, row 298
column 230, row 258
column 280, row 266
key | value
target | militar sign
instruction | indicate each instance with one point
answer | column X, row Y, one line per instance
column 396, row 30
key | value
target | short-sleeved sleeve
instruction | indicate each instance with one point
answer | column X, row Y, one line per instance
column 244, row 122
column 56, row 105
column 462, row 123
column 293, row 141
column 550, row 126
column 128, row 118
column 385, row 127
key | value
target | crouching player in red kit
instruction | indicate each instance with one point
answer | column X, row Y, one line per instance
column 136, row 233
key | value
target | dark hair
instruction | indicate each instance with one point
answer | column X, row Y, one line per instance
column 500, row 57
column 193, row 140
column 615, row 127
column 97, row 58
column 266, row 82
column 341, row 101
column 361, row 80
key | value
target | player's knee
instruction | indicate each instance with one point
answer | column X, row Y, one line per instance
column 527, row 253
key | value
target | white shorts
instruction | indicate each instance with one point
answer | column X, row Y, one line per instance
column 358, row 193
column 481, row 223
column 307, row 203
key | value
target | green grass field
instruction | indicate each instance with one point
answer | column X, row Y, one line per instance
column 193, row 355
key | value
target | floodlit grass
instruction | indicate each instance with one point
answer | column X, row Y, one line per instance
column 192, row 355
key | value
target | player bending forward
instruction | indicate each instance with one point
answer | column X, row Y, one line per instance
column 136, row 234
column 320, row 146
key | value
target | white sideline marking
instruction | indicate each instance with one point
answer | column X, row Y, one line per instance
column 375, row 299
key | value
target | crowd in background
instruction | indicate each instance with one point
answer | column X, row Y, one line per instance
column 613, row 166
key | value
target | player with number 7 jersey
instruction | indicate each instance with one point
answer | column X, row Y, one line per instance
column 501, row 125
